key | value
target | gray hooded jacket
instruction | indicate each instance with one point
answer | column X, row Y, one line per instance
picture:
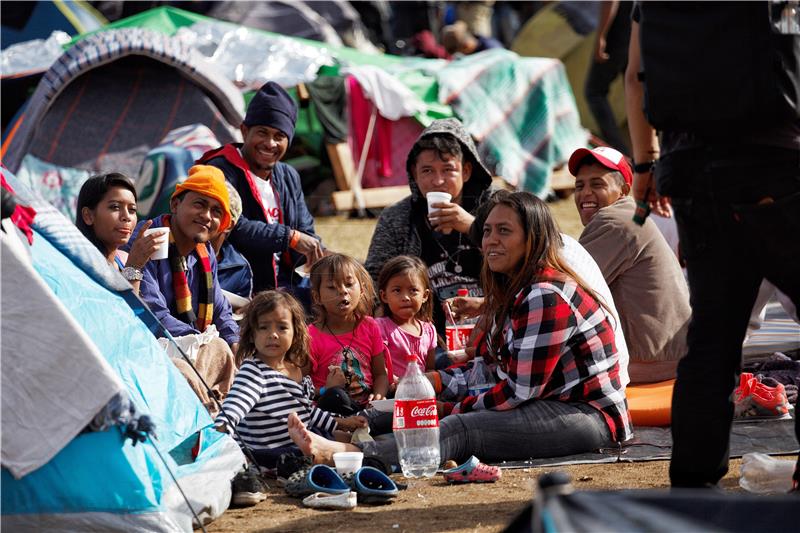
column 396, row 234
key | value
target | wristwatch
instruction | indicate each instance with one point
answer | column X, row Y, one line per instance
column 132, row 274
column 643, row 168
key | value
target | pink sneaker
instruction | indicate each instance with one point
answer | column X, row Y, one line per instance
column 473, row 471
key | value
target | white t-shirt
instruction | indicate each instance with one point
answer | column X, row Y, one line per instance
column 579, row 260
column 269, row 201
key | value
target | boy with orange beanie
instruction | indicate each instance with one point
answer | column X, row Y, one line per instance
column 182, row 290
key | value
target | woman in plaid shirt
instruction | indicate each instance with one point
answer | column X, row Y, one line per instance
column 552, row 346
column 558, row 390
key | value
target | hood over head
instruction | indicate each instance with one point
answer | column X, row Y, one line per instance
column 481, row 178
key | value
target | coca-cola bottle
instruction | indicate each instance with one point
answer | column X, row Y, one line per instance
column 416, row 423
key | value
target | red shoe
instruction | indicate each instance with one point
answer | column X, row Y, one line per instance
column 754, row 400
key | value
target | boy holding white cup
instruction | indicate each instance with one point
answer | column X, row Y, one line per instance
column 448, row 182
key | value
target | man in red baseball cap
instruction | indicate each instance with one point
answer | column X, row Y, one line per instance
column 641, row 270
column 595, row 186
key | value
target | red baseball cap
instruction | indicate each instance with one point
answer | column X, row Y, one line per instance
column 606, row 156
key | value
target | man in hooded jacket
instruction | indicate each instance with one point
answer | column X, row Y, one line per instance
column 443, row 159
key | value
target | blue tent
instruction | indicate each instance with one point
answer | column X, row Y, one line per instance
column 24, row 21
column 97, row 481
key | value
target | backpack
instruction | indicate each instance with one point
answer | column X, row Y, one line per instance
column 718, row 68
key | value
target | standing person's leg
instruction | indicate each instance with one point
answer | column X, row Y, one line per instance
column 726, row 262
column 598, row 81
column 722, row 292
column 774, row 224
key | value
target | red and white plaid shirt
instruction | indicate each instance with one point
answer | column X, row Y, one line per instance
column 558, row 345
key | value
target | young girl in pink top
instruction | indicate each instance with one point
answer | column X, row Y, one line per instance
column 407, row 308
column 348, row 364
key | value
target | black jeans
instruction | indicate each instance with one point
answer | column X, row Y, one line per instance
column 598, row 81
column 738, row 214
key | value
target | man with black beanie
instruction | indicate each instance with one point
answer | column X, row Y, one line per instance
column 276, row 231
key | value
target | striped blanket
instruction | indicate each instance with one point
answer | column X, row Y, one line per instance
column 520, row 110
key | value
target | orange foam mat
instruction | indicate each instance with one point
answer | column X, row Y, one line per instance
column 650, row 404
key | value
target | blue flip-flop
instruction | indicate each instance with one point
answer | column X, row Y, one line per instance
column 318, row 478
column 372, row 486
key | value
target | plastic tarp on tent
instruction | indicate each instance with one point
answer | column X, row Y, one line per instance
column 114, row 95
column 100, row 481
column 521, row 110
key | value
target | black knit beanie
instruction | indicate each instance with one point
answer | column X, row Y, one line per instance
column 272, row 106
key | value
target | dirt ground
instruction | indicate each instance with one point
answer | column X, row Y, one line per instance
column 433, row 505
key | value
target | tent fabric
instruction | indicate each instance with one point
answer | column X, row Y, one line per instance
column 122, row 106
column 520, row 110
column 289, row 18
column 415, row 73
column 43, row 367
column 58, row 185
column 167, row 164
column 100, row 481
column 25, row 21
column 558, row 507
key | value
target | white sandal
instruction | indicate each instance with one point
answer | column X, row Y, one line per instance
column 323, row 500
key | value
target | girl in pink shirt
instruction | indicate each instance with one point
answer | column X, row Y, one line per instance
column 407, row 308
column 348, row 364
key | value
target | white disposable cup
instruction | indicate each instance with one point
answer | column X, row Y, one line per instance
column 163, row 250
column 347, row 462
column 457, row 356
column 437, row 197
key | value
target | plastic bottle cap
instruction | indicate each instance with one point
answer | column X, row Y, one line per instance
column 462, row 292
column 412, row 357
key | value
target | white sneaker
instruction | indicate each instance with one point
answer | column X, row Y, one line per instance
column 323, row 500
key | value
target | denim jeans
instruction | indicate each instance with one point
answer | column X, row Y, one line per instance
column 539, row 428
column 738, row 214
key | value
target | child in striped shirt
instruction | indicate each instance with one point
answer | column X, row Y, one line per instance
column 270, row 384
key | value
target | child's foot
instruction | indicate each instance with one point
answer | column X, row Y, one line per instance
column 313, row 445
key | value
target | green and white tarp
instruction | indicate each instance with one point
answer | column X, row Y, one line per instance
column 520, row 110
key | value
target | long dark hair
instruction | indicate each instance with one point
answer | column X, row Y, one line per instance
column 92, row 192
column 406, row 264
column 337, row 266
column 542, row 250
column 266, row 302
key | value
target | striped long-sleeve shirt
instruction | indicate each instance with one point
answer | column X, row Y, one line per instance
column 559, row 345
column 260, row 401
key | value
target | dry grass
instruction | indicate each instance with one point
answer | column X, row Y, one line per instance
column 352, row 236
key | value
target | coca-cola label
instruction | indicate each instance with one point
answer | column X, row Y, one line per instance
column 458, row 338
column 415, row 414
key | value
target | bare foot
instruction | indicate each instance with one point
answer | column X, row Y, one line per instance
column 319, row 448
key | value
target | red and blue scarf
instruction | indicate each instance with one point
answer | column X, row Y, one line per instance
column 180, row 284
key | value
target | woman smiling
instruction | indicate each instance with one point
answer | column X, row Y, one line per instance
column 106, row 215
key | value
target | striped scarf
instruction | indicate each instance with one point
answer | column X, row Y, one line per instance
column 180, row 284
